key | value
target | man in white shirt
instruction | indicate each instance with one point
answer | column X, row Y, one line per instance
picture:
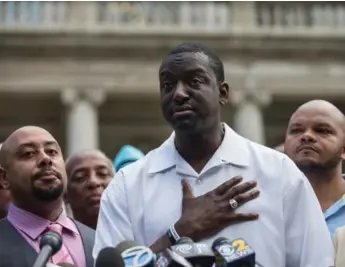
column 148, row 203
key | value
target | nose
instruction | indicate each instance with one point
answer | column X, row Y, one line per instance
column 180, row 95
column 94, row 181
column 308, row 137
column 45, row 160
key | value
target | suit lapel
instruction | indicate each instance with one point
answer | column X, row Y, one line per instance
column 87, row 236
column 19, row 246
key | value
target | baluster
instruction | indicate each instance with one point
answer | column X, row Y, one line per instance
column 10, row 12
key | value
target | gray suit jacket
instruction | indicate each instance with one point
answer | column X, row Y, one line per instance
column 16, row 252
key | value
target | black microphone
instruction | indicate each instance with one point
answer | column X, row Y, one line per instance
column 198, row 254
column 109, row 257
column 169, row 258
column 50, row 243
column 235, row 253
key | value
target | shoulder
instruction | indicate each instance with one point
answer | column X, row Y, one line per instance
column 154, row 161
column 83, row 229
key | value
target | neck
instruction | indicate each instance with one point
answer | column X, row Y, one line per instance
column 197, row 149
column 328, row 186
column 47, row 210
column 87, row 219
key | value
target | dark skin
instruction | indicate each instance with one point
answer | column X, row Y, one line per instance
column 315, row 141
column 191, row 97
column 32, row 168
column 89, row 173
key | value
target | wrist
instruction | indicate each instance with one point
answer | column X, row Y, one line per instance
column 184, row 229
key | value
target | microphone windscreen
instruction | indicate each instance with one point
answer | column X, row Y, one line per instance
column 121, row 247
column 109, row 257
column 184, row 240
column 64, row 264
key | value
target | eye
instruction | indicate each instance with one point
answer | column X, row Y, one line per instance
column 78, row 178
column 323, row 131
column 295, row 131
column 195, row 81
column 167, row 85
column 104, row 173
column 28, row 154
column 52, row 152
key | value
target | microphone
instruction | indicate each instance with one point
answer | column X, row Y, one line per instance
column 198, row 254
column 133, row 254
column 236, row 253
column 63, row 264
column 50, row 243
column 169, row 258
column 109, row 257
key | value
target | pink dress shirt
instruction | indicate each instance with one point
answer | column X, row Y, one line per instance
column 31, row 227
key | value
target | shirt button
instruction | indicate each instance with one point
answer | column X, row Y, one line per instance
column 198, row 181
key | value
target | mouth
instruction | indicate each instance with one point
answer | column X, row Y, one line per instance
column 183, row 111
column 48, row 175
column 95, row 199
column 307, row 148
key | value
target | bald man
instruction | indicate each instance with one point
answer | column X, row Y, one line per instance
column 315, row 141
column 89, row 173
column 33, row 169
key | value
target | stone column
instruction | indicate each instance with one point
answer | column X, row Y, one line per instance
column 248, row 120
column 82, row 119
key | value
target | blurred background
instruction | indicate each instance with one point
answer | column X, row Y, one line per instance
column 88, row 71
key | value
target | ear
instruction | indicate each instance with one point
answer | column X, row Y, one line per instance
column 224, row 93
column 3, row 179
column 343, row 153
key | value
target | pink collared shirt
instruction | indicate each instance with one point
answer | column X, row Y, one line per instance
column 31, row 227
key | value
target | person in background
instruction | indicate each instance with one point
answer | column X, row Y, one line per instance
column 127, row 155
column 279, row 148
column 339, row 245
column 206, row 181
column 315, row 141
column 33, row 169
column 89, row 173
column 5, row 199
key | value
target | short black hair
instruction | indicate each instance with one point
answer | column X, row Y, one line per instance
column 216, row 64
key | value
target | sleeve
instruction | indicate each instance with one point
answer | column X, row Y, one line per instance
column 113, row 224
column 307, row 239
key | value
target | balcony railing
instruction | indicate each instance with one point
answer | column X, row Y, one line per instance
column 226, row 17
column 301, row 14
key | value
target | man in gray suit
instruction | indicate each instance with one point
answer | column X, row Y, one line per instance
column 33, row 169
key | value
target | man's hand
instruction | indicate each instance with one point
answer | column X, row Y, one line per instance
column 206, row 215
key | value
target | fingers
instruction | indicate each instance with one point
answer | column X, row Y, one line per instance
column 224, row 187
column 239, row 189
column 186, row 189
column 245, row 197
column 242, row 217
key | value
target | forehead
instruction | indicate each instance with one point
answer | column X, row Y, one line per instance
column 315, row 115
column 89, row 160
column 32, row 138
column 184, row 62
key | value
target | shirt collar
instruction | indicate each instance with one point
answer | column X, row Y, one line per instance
column 33, row 225
column 340, row 204
column 234, row 150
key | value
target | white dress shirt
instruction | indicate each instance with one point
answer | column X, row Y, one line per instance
column 145, row 199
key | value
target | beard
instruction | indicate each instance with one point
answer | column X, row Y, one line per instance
column 47, row 194
column 317, row 167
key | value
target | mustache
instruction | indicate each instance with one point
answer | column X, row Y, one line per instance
column 42, row 172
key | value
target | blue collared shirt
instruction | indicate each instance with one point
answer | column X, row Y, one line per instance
column 335, row 215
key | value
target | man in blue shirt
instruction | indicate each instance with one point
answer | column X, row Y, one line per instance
column 315, row 141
